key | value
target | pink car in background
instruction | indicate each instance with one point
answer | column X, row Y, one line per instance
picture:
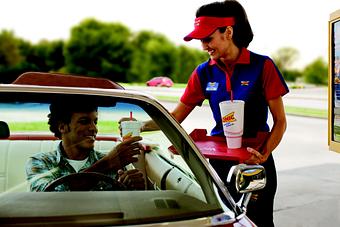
column 160, row 81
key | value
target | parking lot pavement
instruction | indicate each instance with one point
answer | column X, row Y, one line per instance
column 314, row 97
column 308, row 197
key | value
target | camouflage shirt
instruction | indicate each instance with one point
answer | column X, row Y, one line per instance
column 43, row 168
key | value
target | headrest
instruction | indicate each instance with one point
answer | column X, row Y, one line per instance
column 4, row 130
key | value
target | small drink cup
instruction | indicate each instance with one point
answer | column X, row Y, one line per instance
column 130, row 128
column 232, row 113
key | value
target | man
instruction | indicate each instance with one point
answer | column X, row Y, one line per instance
column 75, row 123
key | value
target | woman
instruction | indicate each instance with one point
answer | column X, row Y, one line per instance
column 233, row 72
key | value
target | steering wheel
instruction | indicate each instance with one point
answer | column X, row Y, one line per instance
column 86, row 181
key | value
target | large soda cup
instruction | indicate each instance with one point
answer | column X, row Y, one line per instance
column 130, row 128
column 232, row 113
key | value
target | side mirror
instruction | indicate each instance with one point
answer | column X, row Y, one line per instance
column 247, row 178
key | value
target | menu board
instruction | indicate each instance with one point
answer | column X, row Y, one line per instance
column 336, row 81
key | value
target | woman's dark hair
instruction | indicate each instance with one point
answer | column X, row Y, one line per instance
column 243, row 33
column 61, row 112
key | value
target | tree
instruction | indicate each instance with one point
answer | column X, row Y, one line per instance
column 45, row 56
column 9, row 49
column 292, row 74
column 285, row 57
column 11, row 58
column 51, row 53
column 316, row 72
column 99, row 49
column 154, row 55
column 188, row 59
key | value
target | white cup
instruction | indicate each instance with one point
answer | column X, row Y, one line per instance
column 130, row 128
column 232, row 113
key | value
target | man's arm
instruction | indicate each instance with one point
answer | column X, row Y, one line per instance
column 120, row 156
column 39, row 175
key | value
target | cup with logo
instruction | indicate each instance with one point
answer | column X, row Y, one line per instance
column 232, row 113
column 130, row 128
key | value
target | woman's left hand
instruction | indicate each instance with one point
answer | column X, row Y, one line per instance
column 256, row 158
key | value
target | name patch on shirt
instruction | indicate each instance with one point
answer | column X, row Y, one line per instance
column 245, row 83
column 212, row 86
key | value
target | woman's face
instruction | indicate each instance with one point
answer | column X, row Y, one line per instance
column 218, row 45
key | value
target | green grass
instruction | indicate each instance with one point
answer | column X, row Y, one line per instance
column 180, row 85
column 41, row 126
column 176, row 85
column 298, row 111
column 306, row 112
column 112, row 126
column 167, row 98
column 32, row 126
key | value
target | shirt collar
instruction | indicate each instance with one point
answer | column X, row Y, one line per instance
column 244, row 58
column 61, row 156
column 59, row 153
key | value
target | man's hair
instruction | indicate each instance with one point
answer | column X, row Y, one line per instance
column 61, row 112
column 243, row 33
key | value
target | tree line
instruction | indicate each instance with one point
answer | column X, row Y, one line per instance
column 100, row 49
column 315, row 72
column 113, row 51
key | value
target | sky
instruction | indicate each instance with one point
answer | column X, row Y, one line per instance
column 300, row 24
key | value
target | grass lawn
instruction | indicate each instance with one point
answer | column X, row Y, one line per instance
column 41, row 126
column 292, row 110
column 298, row 111
column 306, row 112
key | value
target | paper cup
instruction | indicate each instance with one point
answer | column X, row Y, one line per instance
column 130, row 128
column 232, row 113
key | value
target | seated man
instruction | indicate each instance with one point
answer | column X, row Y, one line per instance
column 76, row 125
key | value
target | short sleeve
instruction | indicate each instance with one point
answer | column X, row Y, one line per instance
column 273, row 83
column 193, row 94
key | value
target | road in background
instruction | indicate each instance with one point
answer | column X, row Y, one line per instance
column 311, row 97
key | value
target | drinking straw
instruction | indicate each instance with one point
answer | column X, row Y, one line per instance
column 231, row 96
column 130, row 115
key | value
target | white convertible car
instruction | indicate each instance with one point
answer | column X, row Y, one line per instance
column 181, row 189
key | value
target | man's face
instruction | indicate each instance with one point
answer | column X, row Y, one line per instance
column 81, row 133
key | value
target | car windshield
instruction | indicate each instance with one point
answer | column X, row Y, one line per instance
column 177, row 186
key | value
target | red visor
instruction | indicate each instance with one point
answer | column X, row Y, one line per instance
column 205, row 26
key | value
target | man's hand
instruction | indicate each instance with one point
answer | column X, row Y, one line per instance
column 124, row 153
column 132, row 179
